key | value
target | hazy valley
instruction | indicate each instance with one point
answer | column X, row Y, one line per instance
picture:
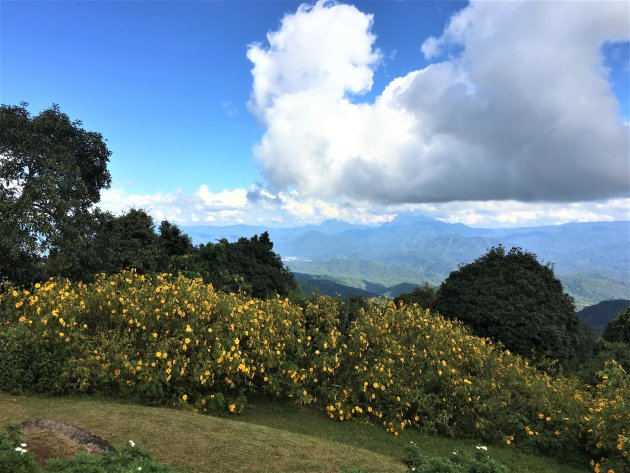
column 592, row 259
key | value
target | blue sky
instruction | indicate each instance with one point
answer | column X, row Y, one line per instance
column 168, row 84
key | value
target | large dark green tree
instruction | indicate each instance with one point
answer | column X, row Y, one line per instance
column 51, row 174
column 174, row 242
column 79, row 251
column 129, row 241
column 258, row 269
column 511, row 297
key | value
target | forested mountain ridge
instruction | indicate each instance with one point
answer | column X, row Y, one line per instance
column 599, row 315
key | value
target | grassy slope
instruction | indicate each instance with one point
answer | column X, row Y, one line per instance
column 269, row 437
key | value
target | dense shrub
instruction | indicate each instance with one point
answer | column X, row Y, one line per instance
column 418, row 462
column 423, row 295
column 14, row 457
column 173, row 340
column 604, row 352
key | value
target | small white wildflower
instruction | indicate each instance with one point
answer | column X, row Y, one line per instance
column 139, row 468
column 132, row 443
column 455, row 452
column 23, row 445
column 482, row 447
column 21, row 450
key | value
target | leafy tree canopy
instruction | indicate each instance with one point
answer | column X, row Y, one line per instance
column 423, row 295
column 129, row 241
column 512, row 298
column 253, row 259
column 51, row 174
column 618, row 329
column 173, row 241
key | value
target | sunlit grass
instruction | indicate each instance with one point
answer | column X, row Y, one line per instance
column 268, row 437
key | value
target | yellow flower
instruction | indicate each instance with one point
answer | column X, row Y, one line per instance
column 185, row 397
column 188, row 329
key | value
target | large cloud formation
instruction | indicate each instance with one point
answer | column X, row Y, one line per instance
column 518, row 108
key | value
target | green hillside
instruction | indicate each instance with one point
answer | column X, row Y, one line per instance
column 325, row 287
column 598, row 315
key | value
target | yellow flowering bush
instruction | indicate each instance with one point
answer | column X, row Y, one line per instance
column 172, row 340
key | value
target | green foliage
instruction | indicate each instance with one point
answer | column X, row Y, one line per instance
column 618, row 330
column 604, row 352
column 38, row 369
column 423, row 295
column 77, row 254
column 52, row 172
column 413, row 456
column 16, row 458
column 108, row 244
column 173, row 241
column 129, row 241
column 611, row 411
column 13, row 429
column 130, row 457
column 418, row 462
column 249, row 264
column 512, row 298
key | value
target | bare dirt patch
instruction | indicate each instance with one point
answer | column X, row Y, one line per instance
column 48, row 439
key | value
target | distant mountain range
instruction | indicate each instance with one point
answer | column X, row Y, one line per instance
column 592, row 259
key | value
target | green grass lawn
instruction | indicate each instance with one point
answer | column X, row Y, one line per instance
column 268, row 437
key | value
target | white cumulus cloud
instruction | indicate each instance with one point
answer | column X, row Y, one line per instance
column 259, row 206
column 255, row 206
column 524, row 112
